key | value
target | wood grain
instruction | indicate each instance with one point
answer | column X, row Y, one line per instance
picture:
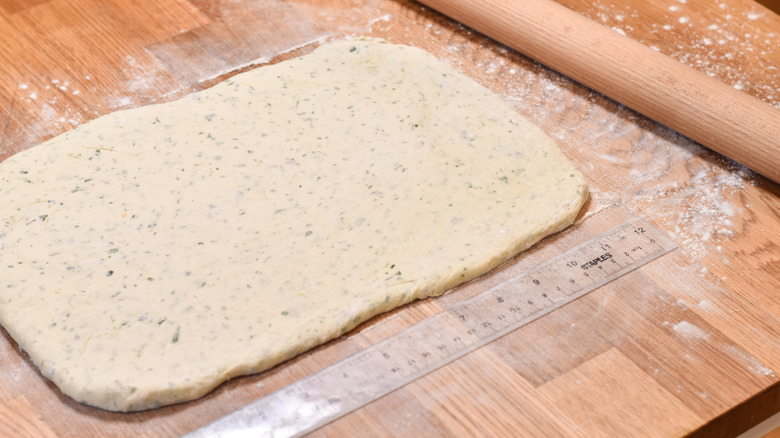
column 690, row 344
column 26, row 420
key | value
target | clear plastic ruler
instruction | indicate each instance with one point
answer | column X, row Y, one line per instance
column 442, row 338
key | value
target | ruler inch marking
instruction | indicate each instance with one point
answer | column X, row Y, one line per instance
column 440, row 339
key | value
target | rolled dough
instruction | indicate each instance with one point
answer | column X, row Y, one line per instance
column 151, row 254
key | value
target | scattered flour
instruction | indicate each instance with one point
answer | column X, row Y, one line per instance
column 716, row 50
column 121, row 102
column 700, row 213
column 697, row 209
column 753, row 364
column 619, row 30
column 707, row 306
column 386, row 18
column 689, row 330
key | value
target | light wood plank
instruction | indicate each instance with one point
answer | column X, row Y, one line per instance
column 27, row 422
column 609, row 396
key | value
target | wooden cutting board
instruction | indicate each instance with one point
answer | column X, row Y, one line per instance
column 689, row 344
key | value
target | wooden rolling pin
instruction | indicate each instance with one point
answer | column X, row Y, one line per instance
column 704, row 109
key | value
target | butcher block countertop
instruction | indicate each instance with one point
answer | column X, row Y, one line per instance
column 686, row 345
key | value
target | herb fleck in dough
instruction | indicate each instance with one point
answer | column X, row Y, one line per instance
column 151, row 254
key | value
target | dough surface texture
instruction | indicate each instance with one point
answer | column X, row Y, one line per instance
column 151, row 254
